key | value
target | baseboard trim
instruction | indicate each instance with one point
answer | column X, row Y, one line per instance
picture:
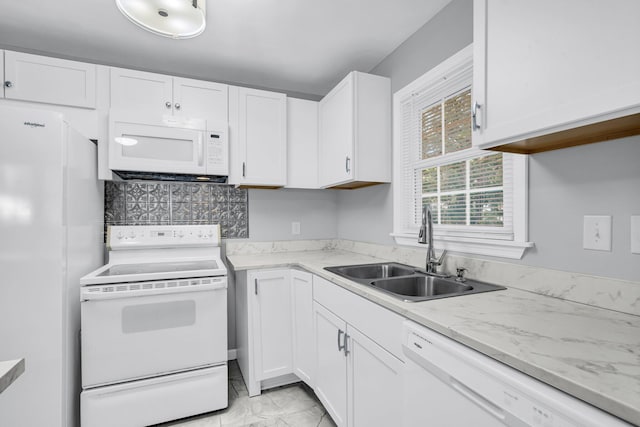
column 232, row 354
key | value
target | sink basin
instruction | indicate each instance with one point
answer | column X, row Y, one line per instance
column 421, row 287
column 409, row 284
column 373, row 271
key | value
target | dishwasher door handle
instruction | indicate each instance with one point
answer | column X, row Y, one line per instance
column 478, row 399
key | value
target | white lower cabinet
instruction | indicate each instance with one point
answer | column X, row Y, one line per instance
column 331, row 380
column 304, row 349
column 374, row 383
column 274, row 324
column 292, row 326
column 270, row 303
column 358, row 381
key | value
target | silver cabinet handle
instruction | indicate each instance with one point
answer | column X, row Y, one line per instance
column 347, row 164
column 177, row 106
column 475, row 126
column 8, row 84
column 340, row 347
column 167, row 104
column 346, row 343
column 255, row 286
column 244, row 169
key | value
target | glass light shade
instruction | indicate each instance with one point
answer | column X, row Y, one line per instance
column 178, row 19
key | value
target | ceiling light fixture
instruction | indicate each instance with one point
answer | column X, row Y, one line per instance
column 177, row 19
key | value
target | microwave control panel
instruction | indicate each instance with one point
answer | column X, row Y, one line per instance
column 217, row 153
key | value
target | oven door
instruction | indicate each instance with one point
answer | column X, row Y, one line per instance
column 141, row 144
column 139, row 330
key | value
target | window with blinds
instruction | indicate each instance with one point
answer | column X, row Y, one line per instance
column 470, row 191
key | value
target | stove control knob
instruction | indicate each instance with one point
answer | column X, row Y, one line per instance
column 181, row 234
column 132, row 234
column 120, row 235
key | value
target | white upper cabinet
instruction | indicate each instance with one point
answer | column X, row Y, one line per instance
column 258, row 138
column 161, row 94
column 355, row 132
column 49, row 80
column 200, row 99
column 141, row 91
column 302, row 143
column 544, row 69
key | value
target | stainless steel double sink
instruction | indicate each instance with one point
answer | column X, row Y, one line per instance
column 409, row 283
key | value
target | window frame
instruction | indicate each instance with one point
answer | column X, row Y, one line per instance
column 466, row 240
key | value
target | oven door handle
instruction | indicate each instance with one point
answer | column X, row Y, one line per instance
column 99, row 293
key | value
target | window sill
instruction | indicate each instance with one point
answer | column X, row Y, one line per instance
column 469, row 245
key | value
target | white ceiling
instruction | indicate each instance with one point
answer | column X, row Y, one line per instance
column 302, row 46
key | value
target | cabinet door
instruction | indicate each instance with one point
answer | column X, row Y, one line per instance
column 302, row 143
column 375, row 383
column 545, row 66
column 2, row 73
column 202, row 100
column 331, row 363
column 271, row 296
column 262, row 137
column 303, row 342
column 141, row 91
column 49, row 80
column 337, row 134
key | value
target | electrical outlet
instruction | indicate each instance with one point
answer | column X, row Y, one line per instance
column 597, row 233
column 295, row 228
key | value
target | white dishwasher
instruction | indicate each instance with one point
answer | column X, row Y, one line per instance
column 450, row 385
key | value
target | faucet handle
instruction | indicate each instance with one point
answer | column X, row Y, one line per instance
column 440, row 259
column 460, row 273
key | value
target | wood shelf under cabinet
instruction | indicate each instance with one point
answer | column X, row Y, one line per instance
column 607, row 130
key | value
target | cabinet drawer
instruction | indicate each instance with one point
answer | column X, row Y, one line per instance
column 381, row 325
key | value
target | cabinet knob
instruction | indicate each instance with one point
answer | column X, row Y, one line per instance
column 177, row 106
column 8, row 84
column 167, row 104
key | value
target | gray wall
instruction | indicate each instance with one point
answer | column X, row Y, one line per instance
column 271, row 213
column 367, row 214
column 564, row 185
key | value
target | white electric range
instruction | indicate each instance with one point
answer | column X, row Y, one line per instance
column 154, row 327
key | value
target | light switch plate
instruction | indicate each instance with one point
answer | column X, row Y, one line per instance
column 597, row 233
column 635, row 234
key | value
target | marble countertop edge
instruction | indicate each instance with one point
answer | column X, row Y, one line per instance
column 612, row 401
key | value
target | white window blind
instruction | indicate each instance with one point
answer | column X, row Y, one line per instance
column 470, row 191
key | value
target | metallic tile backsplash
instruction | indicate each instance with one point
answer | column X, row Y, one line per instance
column 162, row 203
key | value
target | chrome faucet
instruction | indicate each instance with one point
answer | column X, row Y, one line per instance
column 426, row 237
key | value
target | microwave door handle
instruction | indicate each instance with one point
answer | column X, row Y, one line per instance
column 200, row 150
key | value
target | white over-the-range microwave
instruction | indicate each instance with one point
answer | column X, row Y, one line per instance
column 142, row 145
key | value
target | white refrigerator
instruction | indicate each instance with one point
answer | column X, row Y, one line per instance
column 51, row 234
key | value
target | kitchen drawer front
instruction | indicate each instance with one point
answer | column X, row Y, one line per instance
column 376, row 322
column 155, row 400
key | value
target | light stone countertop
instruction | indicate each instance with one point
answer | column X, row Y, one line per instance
column 587, row 352
column 10, row 370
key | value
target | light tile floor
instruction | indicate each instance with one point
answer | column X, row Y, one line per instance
column 295, row 405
